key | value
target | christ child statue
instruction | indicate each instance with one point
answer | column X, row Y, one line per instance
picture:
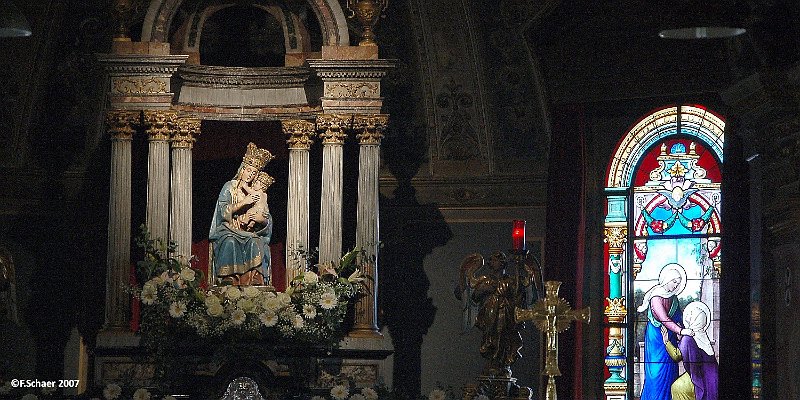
column 259, row 211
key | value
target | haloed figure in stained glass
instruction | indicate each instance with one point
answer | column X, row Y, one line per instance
column 663, row 312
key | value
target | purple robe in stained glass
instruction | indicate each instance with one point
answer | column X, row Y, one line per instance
column 701, row 367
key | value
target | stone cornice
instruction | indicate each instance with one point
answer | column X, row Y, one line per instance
column 353, row 70
column 141, row 64
column 240, row 77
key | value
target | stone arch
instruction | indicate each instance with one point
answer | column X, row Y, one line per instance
column 329, row 14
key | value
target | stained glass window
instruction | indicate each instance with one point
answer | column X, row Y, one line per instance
column 662, row 248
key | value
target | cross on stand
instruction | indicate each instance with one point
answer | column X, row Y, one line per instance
column 552, row 315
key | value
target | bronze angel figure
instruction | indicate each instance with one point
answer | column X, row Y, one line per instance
column 502, row 286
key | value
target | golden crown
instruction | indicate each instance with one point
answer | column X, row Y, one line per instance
column 264, row 179
column 256, row 157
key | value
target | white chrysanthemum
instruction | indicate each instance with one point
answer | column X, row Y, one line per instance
column 298, row 322
column 112, row 391
column 284, row 298
column 309, row 311
column 369, row 393
column 251, row 292
column 310, row 278
column 358, row 396
column 177, row 309
column 141, row 394
column 233, row 293
column 245, row 305
column 238, row 317
column 437, row 394
column 328, row 300
column 271, row 304
column 481, row 397
column 187, row 274
column 215, row 310
column 269, row 319
column 149, row 296
column 30, row 396
column 156, row 280
column 339, row 392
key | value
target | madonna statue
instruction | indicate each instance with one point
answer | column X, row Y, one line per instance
column 242, row 225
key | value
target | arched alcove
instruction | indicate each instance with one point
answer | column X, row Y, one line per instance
column 242, row 36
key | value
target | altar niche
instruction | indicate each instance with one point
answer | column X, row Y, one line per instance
column 217, row 157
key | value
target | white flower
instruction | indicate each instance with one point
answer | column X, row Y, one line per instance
column 309, row 311
column 156, row 280
column 245, row 305
column 141, row 394
column 30, row 396
column 177, row 309
column 481, row 397
column 356, row 276
column 237, row 317
column 215, row 310
column 187, row 274
column 6, row 388
column 251, row 292
column 358, row 396
column 112, row 391
column 369, row 393
column 233, row 293
column 212, row 299
column 269, row 319
column 166, row 277
column 310, row 278
column 437, row 394
column 271, row 304
column 339, row 392
column 298, row 322
column 328, row 300
column 284, row 298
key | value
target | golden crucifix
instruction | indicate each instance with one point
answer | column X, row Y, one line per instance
column 551, row 315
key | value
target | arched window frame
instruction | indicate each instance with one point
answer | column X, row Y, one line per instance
column 622, row 233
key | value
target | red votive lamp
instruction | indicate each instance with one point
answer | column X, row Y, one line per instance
column 518, row 235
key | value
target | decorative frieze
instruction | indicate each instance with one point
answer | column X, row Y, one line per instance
column 357, row 90
column 244, row 78
column 133, row 86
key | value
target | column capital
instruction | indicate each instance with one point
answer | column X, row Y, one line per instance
column 300, row 133
column 615, row 236
column 187, row 129
column 120, row 123
column 159, row 124
column 332, row 127
column 370, row 128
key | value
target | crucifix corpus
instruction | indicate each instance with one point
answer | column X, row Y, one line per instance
column 552, row 315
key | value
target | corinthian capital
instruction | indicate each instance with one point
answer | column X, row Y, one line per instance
column 159, row 123
column 187, row 130
column 615, row 236
column 300, row 133
column 370, row 127
column 120, row 123
column 332, row 127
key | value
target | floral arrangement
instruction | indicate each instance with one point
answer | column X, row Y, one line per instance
column 310, row 311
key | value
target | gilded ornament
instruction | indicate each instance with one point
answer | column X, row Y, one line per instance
column 370, row 128
column 159, row 123
column 120, row 123
column 187, row 130
column 367, row 12
column 332, row 127
column 300, row 133
column 615, row 236
column 615, row 309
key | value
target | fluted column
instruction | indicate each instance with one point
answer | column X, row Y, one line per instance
column 370, row 131
column 120, row 126
column 300, row 133
column 159, row 123
column 332, row 132
column 180, row 218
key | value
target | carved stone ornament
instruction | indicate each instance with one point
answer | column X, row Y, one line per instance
column 159, row 123
column 241, row 77
column 332, row 127
column 187, row 130
column 370, row 128
column 352, row 90
column 300, row 133
column 131, row 86
column 615, row 236
column 120, row 123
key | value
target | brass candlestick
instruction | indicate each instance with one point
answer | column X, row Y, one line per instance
column 552, row 315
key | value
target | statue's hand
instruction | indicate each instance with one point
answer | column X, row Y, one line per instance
column 251, row 198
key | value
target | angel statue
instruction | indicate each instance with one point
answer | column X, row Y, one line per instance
column 504, row 286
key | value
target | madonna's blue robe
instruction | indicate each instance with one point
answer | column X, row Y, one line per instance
column 660, row 370
column 237, row 251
